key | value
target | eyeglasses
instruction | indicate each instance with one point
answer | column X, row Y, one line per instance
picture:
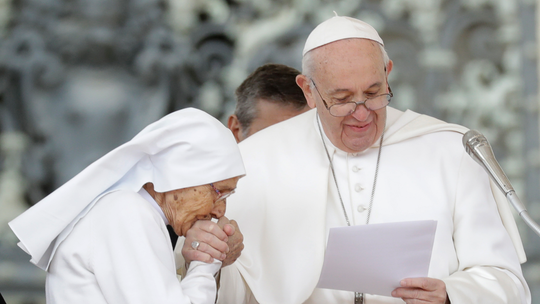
column 221, row 196
column 347, row 108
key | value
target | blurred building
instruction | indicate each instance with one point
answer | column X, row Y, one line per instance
column 80, row 77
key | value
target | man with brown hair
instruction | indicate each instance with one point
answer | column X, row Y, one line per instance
column 268, row 96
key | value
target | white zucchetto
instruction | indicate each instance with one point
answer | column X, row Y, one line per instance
column 339, row 28
column 183, row 149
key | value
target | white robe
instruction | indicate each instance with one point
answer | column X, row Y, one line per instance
column 120, row 252
column 281, row 208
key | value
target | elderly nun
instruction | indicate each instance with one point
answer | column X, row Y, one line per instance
column 102, row 236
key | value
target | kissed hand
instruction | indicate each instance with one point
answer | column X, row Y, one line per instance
column 212, row 242
column 222, row 240
column 236, row 240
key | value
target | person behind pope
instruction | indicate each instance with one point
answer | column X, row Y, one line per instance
column 102, row 236
column 353, row 160
column 267, row 96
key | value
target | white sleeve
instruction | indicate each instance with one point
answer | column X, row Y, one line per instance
column 200, row 282
column 233, row 288
column 179, row 258
column 485, row 285
column 489, row 268
column 132, row 257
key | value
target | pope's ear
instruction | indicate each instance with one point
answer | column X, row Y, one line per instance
column 235, row 127
column 304, row 83
column 389, row 67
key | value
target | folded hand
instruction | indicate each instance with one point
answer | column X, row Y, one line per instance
column 222, row 240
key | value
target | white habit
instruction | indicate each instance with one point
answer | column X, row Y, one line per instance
column 102, row 241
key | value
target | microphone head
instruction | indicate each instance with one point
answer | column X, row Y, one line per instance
column 472, row 139
column 478, row 147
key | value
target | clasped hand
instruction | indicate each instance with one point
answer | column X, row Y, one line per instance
column 222, row 240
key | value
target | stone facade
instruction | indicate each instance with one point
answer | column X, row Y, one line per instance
column 78, row 78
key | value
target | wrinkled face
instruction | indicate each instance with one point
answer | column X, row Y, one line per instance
column 183, row 207
column 343, row 71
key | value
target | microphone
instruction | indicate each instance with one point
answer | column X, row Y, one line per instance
column 479, row 149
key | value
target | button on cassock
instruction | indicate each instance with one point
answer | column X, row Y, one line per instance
column 361, row 208
column 355, row 169
column 358, row 188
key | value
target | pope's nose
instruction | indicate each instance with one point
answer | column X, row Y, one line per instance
column 361, row 113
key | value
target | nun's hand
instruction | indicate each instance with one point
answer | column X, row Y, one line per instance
column 212, row 242
column 235, row 242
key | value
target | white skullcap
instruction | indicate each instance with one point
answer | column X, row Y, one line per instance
column 338, row 28
column 183, row 149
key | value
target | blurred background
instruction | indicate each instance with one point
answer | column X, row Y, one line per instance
column 80, row 77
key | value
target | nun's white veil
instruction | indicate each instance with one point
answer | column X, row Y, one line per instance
column 183, row 149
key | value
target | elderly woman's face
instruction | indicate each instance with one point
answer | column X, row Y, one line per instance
column 183, row 207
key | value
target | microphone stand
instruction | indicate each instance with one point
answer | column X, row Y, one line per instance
column 480, row 150
column 522, row 211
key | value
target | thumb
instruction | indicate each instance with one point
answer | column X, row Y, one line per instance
column 229, row 229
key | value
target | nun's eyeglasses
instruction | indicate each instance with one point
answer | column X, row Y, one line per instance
column 221, row 196
column 347, row 108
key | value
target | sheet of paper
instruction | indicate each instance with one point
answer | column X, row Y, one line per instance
column 375, row 258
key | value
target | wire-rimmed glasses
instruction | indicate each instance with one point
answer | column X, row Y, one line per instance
column 221, row 196
column 347, row 108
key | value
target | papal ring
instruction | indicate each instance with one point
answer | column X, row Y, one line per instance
column 195, row 245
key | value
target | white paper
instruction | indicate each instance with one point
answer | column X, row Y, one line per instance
column 374, row 258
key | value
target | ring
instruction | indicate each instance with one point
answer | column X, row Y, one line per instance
column 195, row 245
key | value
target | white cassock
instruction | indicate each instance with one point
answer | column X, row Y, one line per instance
column 288, row 201
column 120, row 252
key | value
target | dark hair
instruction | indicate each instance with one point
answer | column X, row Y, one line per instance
column 273, row 82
